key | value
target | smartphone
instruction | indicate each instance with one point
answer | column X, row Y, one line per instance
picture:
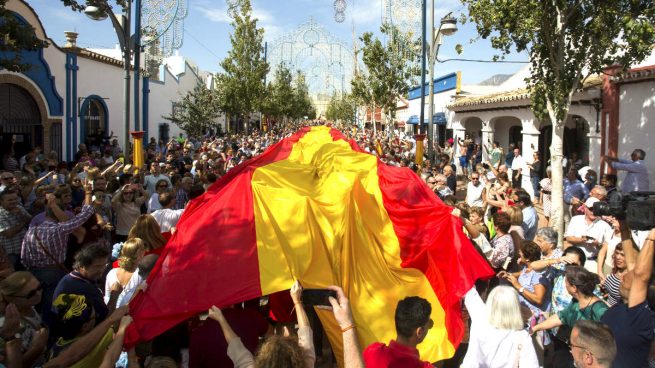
column 317, row 296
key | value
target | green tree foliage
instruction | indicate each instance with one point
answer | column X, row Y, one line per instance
column 387, row 73
column 567, row 41
column 302, row 102
column 341, row 108
column 278, row 94
column 242, row 82
column 16, row 37
column 197, row 111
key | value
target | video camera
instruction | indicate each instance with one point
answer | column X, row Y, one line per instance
column 636, row 208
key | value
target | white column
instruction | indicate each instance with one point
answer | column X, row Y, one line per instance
column 487, row 139
column 595, row 144
column 530, row 145
column 458, row 133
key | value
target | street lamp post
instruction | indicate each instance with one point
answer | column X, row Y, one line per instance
column 101, row 11
column 447, row 27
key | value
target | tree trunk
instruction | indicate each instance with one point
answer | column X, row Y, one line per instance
column 375, row 127
column 557, row 176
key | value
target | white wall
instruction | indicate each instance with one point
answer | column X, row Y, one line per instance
column 164, row 93
column 106, row 81
column 637, row 123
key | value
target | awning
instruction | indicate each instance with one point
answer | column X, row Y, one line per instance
column 438, row 118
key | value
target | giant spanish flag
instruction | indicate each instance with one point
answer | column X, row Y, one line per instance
column 317, row 208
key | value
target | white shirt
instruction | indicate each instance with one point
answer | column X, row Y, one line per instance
column 490, row 347
column 519, row 163
column 153, row 203
column 167, row 218
column 636, row 177
column 474, row 194
column 598, row 229
column 128, row 289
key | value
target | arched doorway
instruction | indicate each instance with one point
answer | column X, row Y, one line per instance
column 20, row 119
column 473, row 126
column 575, row 140
column 93, row 122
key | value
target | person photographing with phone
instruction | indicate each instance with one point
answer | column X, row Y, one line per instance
column 284, row 351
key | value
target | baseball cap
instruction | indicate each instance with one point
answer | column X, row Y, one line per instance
column 590, row 202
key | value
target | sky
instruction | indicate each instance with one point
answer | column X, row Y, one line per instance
column 207, row 30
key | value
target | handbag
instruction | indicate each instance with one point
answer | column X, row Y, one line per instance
column 47, row 253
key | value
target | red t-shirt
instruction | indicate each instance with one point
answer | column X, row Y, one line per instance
column 395, row 355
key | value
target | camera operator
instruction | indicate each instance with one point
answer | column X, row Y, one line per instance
column 588, row 232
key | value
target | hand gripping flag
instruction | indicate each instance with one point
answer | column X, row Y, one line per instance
column 316, row 208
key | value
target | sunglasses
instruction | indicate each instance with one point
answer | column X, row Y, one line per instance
column 162, row 186
column 31, row 294
column 8, row 178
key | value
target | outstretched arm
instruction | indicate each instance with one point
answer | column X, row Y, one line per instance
column 352, row 356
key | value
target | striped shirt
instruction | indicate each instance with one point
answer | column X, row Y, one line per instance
column 54, row 237
column 181, row 199
column 7, row 221
column 612, row 285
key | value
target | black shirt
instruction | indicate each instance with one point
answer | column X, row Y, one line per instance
column 74, row 283
column 634, row 330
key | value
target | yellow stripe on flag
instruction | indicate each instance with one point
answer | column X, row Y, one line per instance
column 320, row 218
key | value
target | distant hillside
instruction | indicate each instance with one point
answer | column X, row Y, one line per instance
column 495, row 80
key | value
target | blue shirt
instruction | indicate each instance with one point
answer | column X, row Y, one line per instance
column 575, row 189
column 530, row 222
column 636, row 177
column 634, row 331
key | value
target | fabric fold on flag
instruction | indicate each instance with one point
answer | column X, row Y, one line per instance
column 317, row 208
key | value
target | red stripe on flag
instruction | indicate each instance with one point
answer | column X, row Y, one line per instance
column 210, row 259
column 431, row 240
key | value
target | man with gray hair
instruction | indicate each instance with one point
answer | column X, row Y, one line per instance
column 592, row 345
column 637, row 172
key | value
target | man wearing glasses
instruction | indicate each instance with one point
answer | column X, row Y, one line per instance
column 592, row 345
column 13, row 225
column 6, row 179
column 476, row 192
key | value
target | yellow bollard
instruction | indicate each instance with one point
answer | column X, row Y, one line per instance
column 419, row 149
column 137, row 151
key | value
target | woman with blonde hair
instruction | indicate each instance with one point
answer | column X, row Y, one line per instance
column 497, row 336
column 516, row 219
column 125, row 278
column 147, row 229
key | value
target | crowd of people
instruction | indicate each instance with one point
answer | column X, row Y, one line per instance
column 79, row 238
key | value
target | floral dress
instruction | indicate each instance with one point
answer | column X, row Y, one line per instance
column 546, row 187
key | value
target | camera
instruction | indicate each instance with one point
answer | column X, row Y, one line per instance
column 485, row 165
column 636, row 208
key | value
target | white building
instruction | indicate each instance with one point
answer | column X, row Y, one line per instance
column 612, row 115
column 70, row 94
